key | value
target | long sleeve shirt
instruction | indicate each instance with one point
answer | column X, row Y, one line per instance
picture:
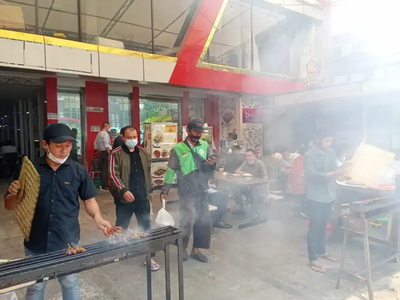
column 317, row 164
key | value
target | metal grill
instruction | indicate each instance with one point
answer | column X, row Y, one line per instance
column 57, row 264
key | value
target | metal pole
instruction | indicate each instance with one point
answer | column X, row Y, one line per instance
column 26, row 127
column 252, row 36
column 84, row 130
column 31, row 137
column 41, row 120
column 79, row 20
column 180, row 267
column 16, row 142
column 21, row 125
column 152, row 26
column 37, row 28
column 167, row 274
column 148, row 264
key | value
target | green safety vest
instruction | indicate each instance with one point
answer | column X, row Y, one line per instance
column 186, row 159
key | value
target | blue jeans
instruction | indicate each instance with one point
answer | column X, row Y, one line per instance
column 69, row 286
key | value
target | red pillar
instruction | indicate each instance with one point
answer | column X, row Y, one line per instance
column 208, row 110
column 216, row 121
column 96, row 97
column 185, row 109
column 135, row 110
column 51, row 100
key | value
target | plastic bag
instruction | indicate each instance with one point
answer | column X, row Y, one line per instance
column 164, row 218
column 9, row 296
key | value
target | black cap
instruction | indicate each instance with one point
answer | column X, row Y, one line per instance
column 196, row 125
column 58, row 133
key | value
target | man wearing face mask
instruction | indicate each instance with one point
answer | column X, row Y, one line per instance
column 193, row 163
column 55, row 223
column 102, row 143
column 130, row 183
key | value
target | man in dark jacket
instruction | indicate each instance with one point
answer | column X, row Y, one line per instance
column 118, row 142
column 130, row 183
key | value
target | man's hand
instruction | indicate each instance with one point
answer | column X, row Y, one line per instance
column 128, row 196
column 211, row 160
column 101, row 223
column 14, row 188
column 163, row 197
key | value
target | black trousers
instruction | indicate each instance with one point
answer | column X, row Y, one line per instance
column 125, row 211
column 104, row 169
column 220, row 200
column 195, row 214
column 319, row 216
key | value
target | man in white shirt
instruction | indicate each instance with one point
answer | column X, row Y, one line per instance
column 102, row 144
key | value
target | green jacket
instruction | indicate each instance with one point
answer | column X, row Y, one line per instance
column 120, row 170
column 183, row 165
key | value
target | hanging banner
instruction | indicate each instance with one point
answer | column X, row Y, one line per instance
column 251, row 115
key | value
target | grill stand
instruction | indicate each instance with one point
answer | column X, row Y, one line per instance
column 365, row 234
column 14, row 275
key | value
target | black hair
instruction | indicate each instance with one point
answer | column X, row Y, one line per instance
column 251, row 150
column 123, row 129
column 105, row 124
column 130, row 127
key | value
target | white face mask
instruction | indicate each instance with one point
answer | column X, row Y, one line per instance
column 252, row 162
column 55, row 159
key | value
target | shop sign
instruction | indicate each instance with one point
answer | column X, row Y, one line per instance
column 52, row 116
column 94, row 109
column 95, row 128
column 251, row 115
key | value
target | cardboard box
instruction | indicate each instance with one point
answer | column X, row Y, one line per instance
column 11, row 17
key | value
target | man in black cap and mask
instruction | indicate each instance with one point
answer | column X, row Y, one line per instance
column 193, row 163
column 55, row 223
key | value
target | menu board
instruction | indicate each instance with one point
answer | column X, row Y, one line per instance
column 163, row 138
column 158, row 172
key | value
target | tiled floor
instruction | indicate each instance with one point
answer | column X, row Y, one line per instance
column 259, row 263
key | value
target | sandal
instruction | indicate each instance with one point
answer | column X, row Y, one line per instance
column 329, row 257
column 316, row 267
column 154, row 266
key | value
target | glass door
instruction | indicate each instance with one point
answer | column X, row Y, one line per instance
column 69, row 113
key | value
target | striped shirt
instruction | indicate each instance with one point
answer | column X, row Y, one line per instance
column 102, row 141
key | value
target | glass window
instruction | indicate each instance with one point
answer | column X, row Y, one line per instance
column 69, row 112
column 59, row 18
column 117, row 23
column 171, row 21
column 18, row 15
column 196, row 109
column 119, row 112
column 231, row 43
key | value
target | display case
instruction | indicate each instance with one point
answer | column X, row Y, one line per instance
column 159, row 140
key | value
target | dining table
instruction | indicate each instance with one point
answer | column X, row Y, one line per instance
column 228, row 182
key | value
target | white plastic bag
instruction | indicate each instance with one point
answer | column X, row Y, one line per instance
column 164, row 218
column 9, row 296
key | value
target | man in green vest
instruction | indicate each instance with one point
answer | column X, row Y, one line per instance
column 193, row 163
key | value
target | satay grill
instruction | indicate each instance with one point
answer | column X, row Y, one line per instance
column 57, row 264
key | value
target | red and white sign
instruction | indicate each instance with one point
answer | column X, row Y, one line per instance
column 251, row 115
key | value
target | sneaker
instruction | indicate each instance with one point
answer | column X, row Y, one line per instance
column 200, row 257
column 222, row 224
